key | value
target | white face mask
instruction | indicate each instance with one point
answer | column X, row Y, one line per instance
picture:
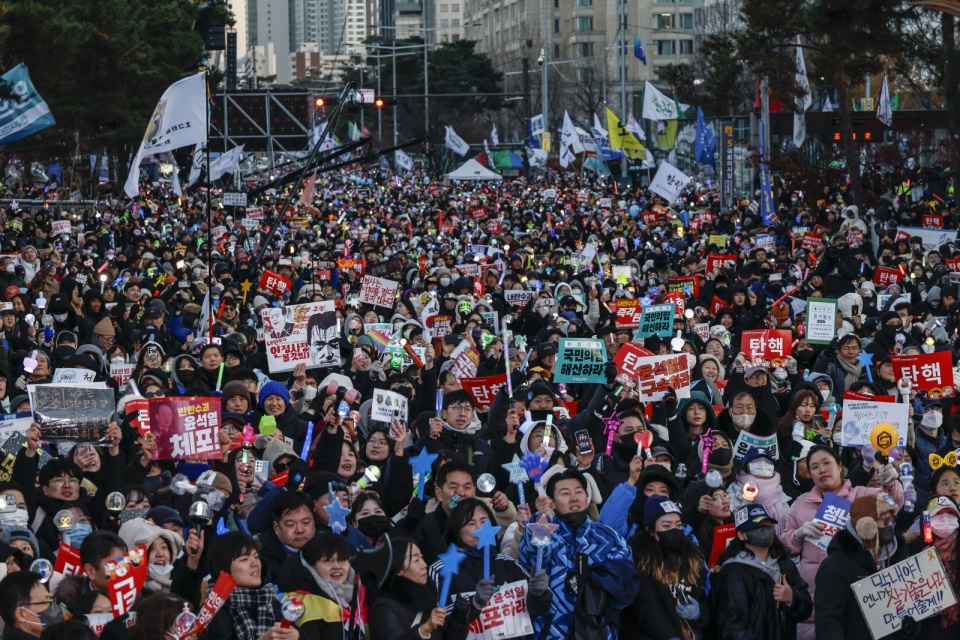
column 10, row 268
column 825, row 393
column 838, row 438
column 118, row 360
column 761, row 468
column 60, row 317
column 19, row 518
column 309, row 393
column 444, row 282
column 744, row 421
column 161, row 570
column 932, row 420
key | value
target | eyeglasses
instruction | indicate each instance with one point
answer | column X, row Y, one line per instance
column 460, row 408
column 378, row 442
column 887, row 520
column 60, row 481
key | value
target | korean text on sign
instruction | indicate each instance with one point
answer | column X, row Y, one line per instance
column 832, row 516
column 657, row 374
column 505, row 616
column 930, row 372
column 766, row 348
column 186, row 427
column 581, row 361
column 379, row 292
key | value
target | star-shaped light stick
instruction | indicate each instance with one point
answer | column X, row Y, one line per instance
column 337, row 513
column 422, row 464
column 451, row 566
column 486, row 537
column 866, row 361
column 542, row 533
column 517, row 476
column 708, row 440
column 611, row 426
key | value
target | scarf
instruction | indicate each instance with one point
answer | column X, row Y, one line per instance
column 852, row 372
column 158, row 582
column 947, row 550
column 251, row 611
column 341, row 593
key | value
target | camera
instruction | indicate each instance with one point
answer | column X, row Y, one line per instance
column 542, row 57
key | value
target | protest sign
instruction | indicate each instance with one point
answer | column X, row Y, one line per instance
column 185, row 427
column 77, row 413
column 746, row 440
column 60, row 226
column 122, row 372
column 217, row 597
column 766, row 241
column 932, row 221
column 464, row 360
column 656, row 320
column 930, row 372
column 234, row 199
column 628, row 313
column 687, row 285
column 721, row 261
column 917, row 587
column 68, row 375
column 716, row 304
column 884, row 277
column 379, row 292
column 398, row 354
column 821, row 320
column 16, row 440
column 68, row 561
column 301, row 333
column 703, row 330
column 274, row 283
column 861, row 416
column 440, row 326
column 832, row 515
column 657, row 374
column 504, row 616
column 391, row 269
column 722, row 536
column 766, row 348
column 483, row 390
column 128, row 577
column 621, row 274
column 517, row 299
column 932, row 239
column 677, row 299
column 388, row 406
column 14, row 423
column 581, row 360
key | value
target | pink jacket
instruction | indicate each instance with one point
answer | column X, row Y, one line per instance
column 803, row 510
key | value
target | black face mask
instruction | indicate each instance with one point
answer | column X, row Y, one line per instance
column 187, row 376
column 885, row 535
column 671, row 540
column 890, row 330
column 574, row 519
column 538, row 416
column 761, row 537
column 625, row 450
column 373, row 526
column 804, row 355
column 720, row 457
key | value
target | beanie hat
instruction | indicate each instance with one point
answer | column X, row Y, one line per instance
column 233, row 389
column 137, row 531
column 9, row 534
column 864, row 514
column 274, row 388
column 104, row 328
column 277, row 449
column 657, row 506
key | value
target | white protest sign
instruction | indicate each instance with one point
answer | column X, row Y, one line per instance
column 669, row 182
column 861, row 416
column 505, row 616
column 60, row 226
column 657, row 374
column 219, row 231
column 917, row 587
column 821, row 320
column 65, row 375
column 464, row 360
column 234, row 199
column 122, row 372
column 11, row 423
column 932, row 239
column 379, row 292
column 746, row 440
column 250, row 224
column 288, row 343
column 388, row 406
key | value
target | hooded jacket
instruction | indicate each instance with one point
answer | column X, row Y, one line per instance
column 328, row 606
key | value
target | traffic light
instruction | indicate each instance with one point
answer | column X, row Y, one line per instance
column 321, row 101
column 384, row 101
column 378, row 103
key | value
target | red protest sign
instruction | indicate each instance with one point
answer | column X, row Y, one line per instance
column 477, row 287
column 215, row 600
column 721, row 261
column 68, row 561
column 127, row 577
column 274, row 283
column 649, row 217
column 811, row 241
column 766, row 348
column 855, row 237
column 716, row 304
column 677, row 299
column 483, row 390
column 932, row 221
column 722, row 536
column 627, row 358
column 884, row 277
column 930, row 372
column 628, row 313
column 953, row 264
column 853, row 395
column 186, row 427
column 494, row 226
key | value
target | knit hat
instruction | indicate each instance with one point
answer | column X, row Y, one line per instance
column 162, row 515
column 274, row 388
column 277, row 449
column 865, row 513
column 9, row 534
column 233, row 389
column 260, row 301
column 137, row 531
column 216, row 480
column 104, row 328
column 656, row 507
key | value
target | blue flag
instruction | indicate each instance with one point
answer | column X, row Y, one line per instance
column 25, row 112
column 638, row 50
column 706, row 142
column 767, row 213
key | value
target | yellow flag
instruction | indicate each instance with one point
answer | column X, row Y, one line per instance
column 667, row 137
column 620, row 138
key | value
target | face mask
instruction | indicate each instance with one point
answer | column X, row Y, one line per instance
column 720, row 457
column 60, row 317
column 576, row 292
column 825, row 393
column 838, row 439
column 48, row 617
column 444, row 282
column 575, row 519
column 744, row 421
column 890, row 330
column 932, row 420
column 309, row 393
column 118, row 360
column 761, row 537
column 929, row 274
column 18, row 518
column 670, row 540
column 373, row 526
column 761, row 468
column 10, row 268
column 944, row 524
column 187, row 376
column 885, row 535
column 160, row 570
column 387, row 254
column 78, row 533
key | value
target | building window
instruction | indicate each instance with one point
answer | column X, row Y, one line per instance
column 444, row 8
column 455, row 22
column 585, row 3
column 665, row 47
column 585, row 24
column 664, row 21
column 556, row 52
column 455, row 7
column 686, row 21
column 556, row 26
column 444, row 23
column 584, row 49
column 686, row 47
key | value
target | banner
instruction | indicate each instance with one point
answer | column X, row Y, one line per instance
column 483, row 390
column 917, row 587
column 25, row 112
column 129, row 575
column 388, row 406
column 821, row 320
column 930, row 372
column 581, row 360
column 379, row 292
column 932, row 239
column 884, row 277
column 746, row 440
column 274, row 284
column 76, row 413
column 861, row 416
column 657, row 374
column 766, row 348
column 669, row 182
column 185, row 427
column 832, row 515
column 656, row 320
column 307, row 333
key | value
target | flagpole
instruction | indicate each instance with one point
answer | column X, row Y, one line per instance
column 623, row 81
column 206, row 77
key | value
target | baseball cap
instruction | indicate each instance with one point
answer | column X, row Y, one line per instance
column 757, row 452
column 162, row 515
column 751, row 516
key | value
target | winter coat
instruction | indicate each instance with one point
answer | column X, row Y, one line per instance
column 327, row 615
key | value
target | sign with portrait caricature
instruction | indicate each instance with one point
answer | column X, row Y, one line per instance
column 301, row 333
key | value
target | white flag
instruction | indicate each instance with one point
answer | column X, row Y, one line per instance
column 536, row 157
column 803, row 102
column 566, row 156
column 226, row 163
column 486, row 150
column 598, row 127
column 404, row 162
column 634, row 127
column 494, row 138
column 205, row 322
column 174, row 179
column 536, row 125
column 884, row 110
column 455, row 143
column 657, row 106
column 568, row 135
column 669, row 182
column 179, row 120
column 197, row 164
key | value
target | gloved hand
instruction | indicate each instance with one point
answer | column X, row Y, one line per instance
column 869, row 455
column 910, row 498
column 791, row 364
column 670, row 401
column 417, row 509
column 739, row 363
column 833, row 347
column 484, row 592
column 539, row 583
column 689, row 611
column 888, row 474
column 807, row 531
column 610, row 371
column 22, row 383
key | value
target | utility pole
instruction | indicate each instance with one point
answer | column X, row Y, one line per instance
column 623, row 79
column 545, row 57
